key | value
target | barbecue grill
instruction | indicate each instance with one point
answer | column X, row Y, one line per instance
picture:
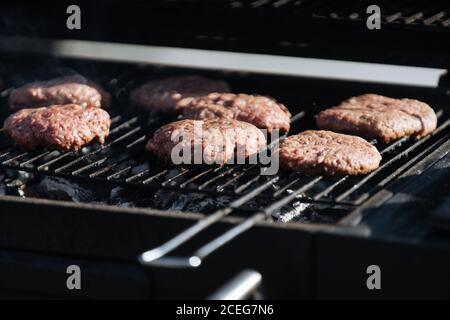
column 139, row 228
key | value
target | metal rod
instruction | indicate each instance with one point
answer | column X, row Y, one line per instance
column 107, row 145
column 434, row 18
column 240, row 287
column 226, row 237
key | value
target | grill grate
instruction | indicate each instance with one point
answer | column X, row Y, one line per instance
column 123, row 161
column 405, row 12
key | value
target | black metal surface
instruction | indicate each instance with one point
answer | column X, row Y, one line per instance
column 406, row 237
column 38, row 276
column 407, row 270
column 440, row 216
column 417, row 213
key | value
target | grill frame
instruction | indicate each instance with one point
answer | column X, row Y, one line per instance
column 107, row 233
column 75, row 232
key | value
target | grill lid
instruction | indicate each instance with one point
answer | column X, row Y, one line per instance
column 412, row 32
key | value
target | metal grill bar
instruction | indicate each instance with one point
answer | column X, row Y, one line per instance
column 285, row 187
column 6, row 152
column 45, row 165
column 33, row 159
column 434, row 18
column 221, row 187
column 217, row 177
column 198, row 176
column 78, row 160
column 156, row 176
column 20, row 155
column 89, row 166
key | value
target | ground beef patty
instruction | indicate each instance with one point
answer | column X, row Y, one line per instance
column 162, row 95
column 380, row 117
column 64, row 127
column 64, row 90
column 263, row 112
column 214, row 141
column 329, row 153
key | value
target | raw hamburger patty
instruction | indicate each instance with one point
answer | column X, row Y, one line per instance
column 214, row 141
column 64, row 127
column 64, row 90
column 263, row 112
column 380, row 117
column 329, row 153
column 162, row 95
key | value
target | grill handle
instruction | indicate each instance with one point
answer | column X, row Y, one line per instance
column 242, row 286
column 157, row 257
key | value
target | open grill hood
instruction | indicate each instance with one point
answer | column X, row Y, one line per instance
column 412, row 32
